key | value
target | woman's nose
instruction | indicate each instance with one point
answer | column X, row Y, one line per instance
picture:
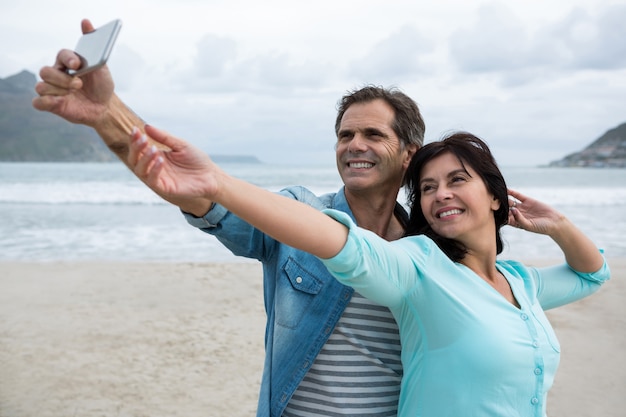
column 443, row 193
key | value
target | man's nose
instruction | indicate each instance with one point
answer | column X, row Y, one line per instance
column 357, row 144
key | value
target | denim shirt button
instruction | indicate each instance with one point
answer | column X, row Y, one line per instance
column 299, row 280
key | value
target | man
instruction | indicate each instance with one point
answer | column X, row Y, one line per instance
column 329, row 351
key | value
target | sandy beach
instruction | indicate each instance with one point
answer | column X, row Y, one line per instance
column 185, row 339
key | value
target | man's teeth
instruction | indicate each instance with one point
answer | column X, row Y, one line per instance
column 449, row 213
column 361, row 165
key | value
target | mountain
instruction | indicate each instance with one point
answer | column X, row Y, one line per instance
column 608, row 151
column 28, row 135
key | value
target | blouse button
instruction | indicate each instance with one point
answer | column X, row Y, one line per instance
column 534, row 401
column 537, row 371
column 524, row 316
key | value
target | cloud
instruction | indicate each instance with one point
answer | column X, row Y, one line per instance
column 127, row 67
column 213, row 55
column 401, row 56
column 274, row 70
column 497, row 41
column 500, row 46
column 594, row 42
column 218, row 67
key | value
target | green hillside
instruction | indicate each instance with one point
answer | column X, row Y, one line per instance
column 28, row 135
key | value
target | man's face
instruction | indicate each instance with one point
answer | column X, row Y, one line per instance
column 369, row 153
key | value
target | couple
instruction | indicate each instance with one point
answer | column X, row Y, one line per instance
column 475, row 339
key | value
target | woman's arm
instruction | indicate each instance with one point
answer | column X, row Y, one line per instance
column 288, row 221
column 580, row 252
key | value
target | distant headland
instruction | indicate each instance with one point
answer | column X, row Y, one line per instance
column 608, row 151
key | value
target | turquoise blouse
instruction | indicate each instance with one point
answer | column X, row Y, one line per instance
column 466, row 351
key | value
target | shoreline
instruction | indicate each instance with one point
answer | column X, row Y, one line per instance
column 97, row 338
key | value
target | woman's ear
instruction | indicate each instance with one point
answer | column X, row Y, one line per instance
column 495, row 204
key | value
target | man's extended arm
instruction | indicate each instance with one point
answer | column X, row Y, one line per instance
column 88, row 100
column 91, row 100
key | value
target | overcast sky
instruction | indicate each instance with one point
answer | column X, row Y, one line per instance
column 536, row 79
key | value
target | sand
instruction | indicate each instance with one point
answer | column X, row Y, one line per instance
column 100, row 339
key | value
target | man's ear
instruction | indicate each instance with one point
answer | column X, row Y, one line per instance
column 410, row 149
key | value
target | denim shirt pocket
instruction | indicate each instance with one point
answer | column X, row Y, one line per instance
column 296, row 291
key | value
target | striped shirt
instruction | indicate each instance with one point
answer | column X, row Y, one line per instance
column 358, row 371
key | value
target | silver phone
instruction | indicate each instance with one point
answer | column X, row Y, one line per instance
column 94, row 48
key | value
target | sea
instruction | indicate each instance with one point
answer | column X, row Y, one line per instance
column 100, row 211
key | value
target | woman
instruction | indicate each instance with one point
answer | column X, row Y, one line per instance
column 475, row 339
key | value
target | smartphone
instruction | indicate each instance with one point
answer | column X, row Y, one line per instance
column 94, row 48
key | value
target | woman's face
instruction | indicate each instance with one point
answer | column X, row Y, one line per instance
column 456, row 202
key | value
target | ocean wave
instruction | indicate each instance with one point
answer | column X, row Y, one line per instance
column 578, row 196
column 108, row 193
column 89, row 193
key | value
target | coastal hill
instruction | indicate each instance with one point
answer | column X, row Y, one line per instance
column 29, row 135
column 608, row 151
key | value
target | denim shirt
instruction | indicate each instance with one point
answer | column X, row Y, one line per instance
column 303, row 301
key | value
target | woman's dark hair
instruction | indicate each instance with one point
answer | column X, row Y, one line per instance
column 471, row 151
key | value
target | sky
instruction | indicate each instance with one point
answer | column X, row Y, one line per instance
column 537, row 80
